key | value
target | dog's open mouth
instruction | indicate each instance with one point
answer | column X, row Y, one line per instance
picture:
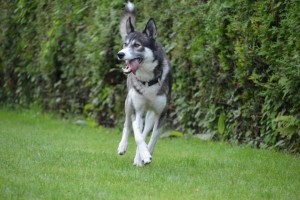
column 132, row 65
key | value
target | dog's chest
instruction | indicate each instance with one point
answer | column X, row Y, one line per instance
column 148, row 99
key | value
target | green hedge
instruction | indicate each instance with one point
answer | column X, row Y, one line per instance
column 236, row 63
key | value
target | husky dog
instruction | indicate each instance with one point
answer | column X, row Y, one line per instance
column 149, row 84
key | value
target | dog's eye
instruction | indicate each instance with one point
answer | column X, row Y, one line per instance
column 125, row 44
column 136, row 45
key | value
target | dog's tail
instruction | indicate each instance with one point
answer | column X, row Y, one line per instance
column 128, row 19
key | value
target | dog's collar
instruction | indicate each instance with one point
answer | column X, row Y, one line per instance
column 152, row 82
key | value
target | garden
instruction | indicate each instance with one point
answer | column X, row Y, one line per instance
column 232, row 129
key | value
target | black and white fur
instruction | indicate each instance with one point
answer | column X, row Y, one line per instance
column 149, row 84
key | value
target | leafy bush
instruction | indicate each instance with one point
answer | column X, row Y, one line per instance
column 236, row 63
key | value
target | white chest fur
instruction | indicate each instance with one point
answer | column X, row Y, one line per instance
column 148, row 100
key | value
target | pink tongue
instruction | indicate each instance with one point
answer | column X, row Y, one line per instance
column 132, row 66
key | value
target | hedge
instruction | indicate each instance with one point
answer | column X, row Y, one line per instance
column 236, row 64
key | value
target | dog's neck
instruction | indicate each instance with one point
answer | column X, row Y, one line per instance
column 152, row 82
column 148, row 71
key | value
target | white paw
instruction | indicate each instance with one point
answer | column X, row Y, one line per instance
column 122, row 148
column 145, row 154
column 137, row 160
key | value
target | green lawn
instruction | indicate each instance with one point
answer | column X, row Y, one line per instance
column 45, row 157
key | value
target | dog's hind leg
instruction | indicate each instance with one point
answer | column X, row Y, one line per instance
column 127, row 128
column 157, row 129
column 149, row 122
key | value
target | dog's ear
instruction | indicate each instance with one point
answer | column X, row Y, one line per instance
column 129, row 26
column 150, row 29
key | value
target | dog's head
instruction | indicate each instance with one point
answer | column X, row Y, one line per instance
column 138, row 46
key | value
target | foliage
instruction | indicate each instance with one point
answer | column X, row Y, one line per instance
column 236, row 63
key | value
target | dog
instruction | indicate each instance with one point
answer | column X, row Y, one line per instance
column 149, row 82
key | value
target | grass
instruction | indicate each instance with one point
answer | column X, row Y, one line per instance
column 45, row 157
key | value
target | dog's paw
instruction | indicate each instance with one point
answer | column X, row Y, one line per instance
column 145, row 155
column 137, row 161
column 147, row 160
column 122, row 148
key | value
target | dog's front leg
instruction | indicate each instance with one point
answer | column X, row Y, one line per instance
column 142, row 148
column 149, row 122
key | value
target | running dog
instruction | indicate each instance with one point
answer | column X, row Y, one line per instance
column 149, row 82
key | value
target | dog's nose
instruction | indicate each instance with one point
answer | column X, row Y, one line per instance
column 121, row 55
